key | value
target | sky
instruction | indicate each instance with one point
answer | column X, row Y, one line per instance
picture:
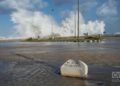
column 14, row 12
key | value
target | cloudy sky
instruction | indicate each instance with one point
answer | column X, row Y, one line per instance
column 56, row 11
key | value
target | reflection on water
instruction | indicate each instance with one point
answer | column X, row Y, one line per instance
column 46, row 73
column 36, row 73
column 105, row 45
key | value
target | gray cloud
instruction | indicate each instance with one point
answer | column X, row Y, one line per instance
column 87, row 5
column 1, row 0
column 7, row 6
column 62, row 2
column 108, row 9
column 3, row 8
column 64, row 14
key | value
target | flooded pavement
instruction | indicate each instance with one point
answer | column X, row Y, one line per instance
column 38, row 64
column 47, row 74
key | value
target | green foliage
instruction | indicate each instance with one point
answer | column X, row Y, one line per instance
column 57, row 38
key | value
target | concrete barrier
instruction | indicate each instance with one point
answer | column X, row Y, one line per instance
column 74, row 68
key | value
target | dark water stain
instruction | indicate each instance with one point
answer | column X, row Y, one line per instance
column 41, row 72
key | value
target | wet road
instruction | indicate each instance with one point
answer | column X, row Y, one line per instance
column 37, row 64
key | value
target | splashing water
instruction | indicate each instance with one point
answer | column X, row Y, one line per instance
column 30, row 23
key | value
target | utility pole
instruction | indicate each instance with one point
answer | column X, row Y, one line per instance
column 75, row 16
column 78, row 20
column 52, row 34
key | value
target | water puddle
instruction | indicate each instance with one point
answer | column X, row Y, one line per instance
column 41, row 73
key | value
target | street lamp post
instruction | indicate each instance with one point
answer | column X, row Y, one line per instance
column 78, row 20
column 75, row 18
column 52, row 34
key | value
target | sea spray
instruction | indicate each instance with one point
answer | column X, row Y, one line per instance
column 31, row 22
